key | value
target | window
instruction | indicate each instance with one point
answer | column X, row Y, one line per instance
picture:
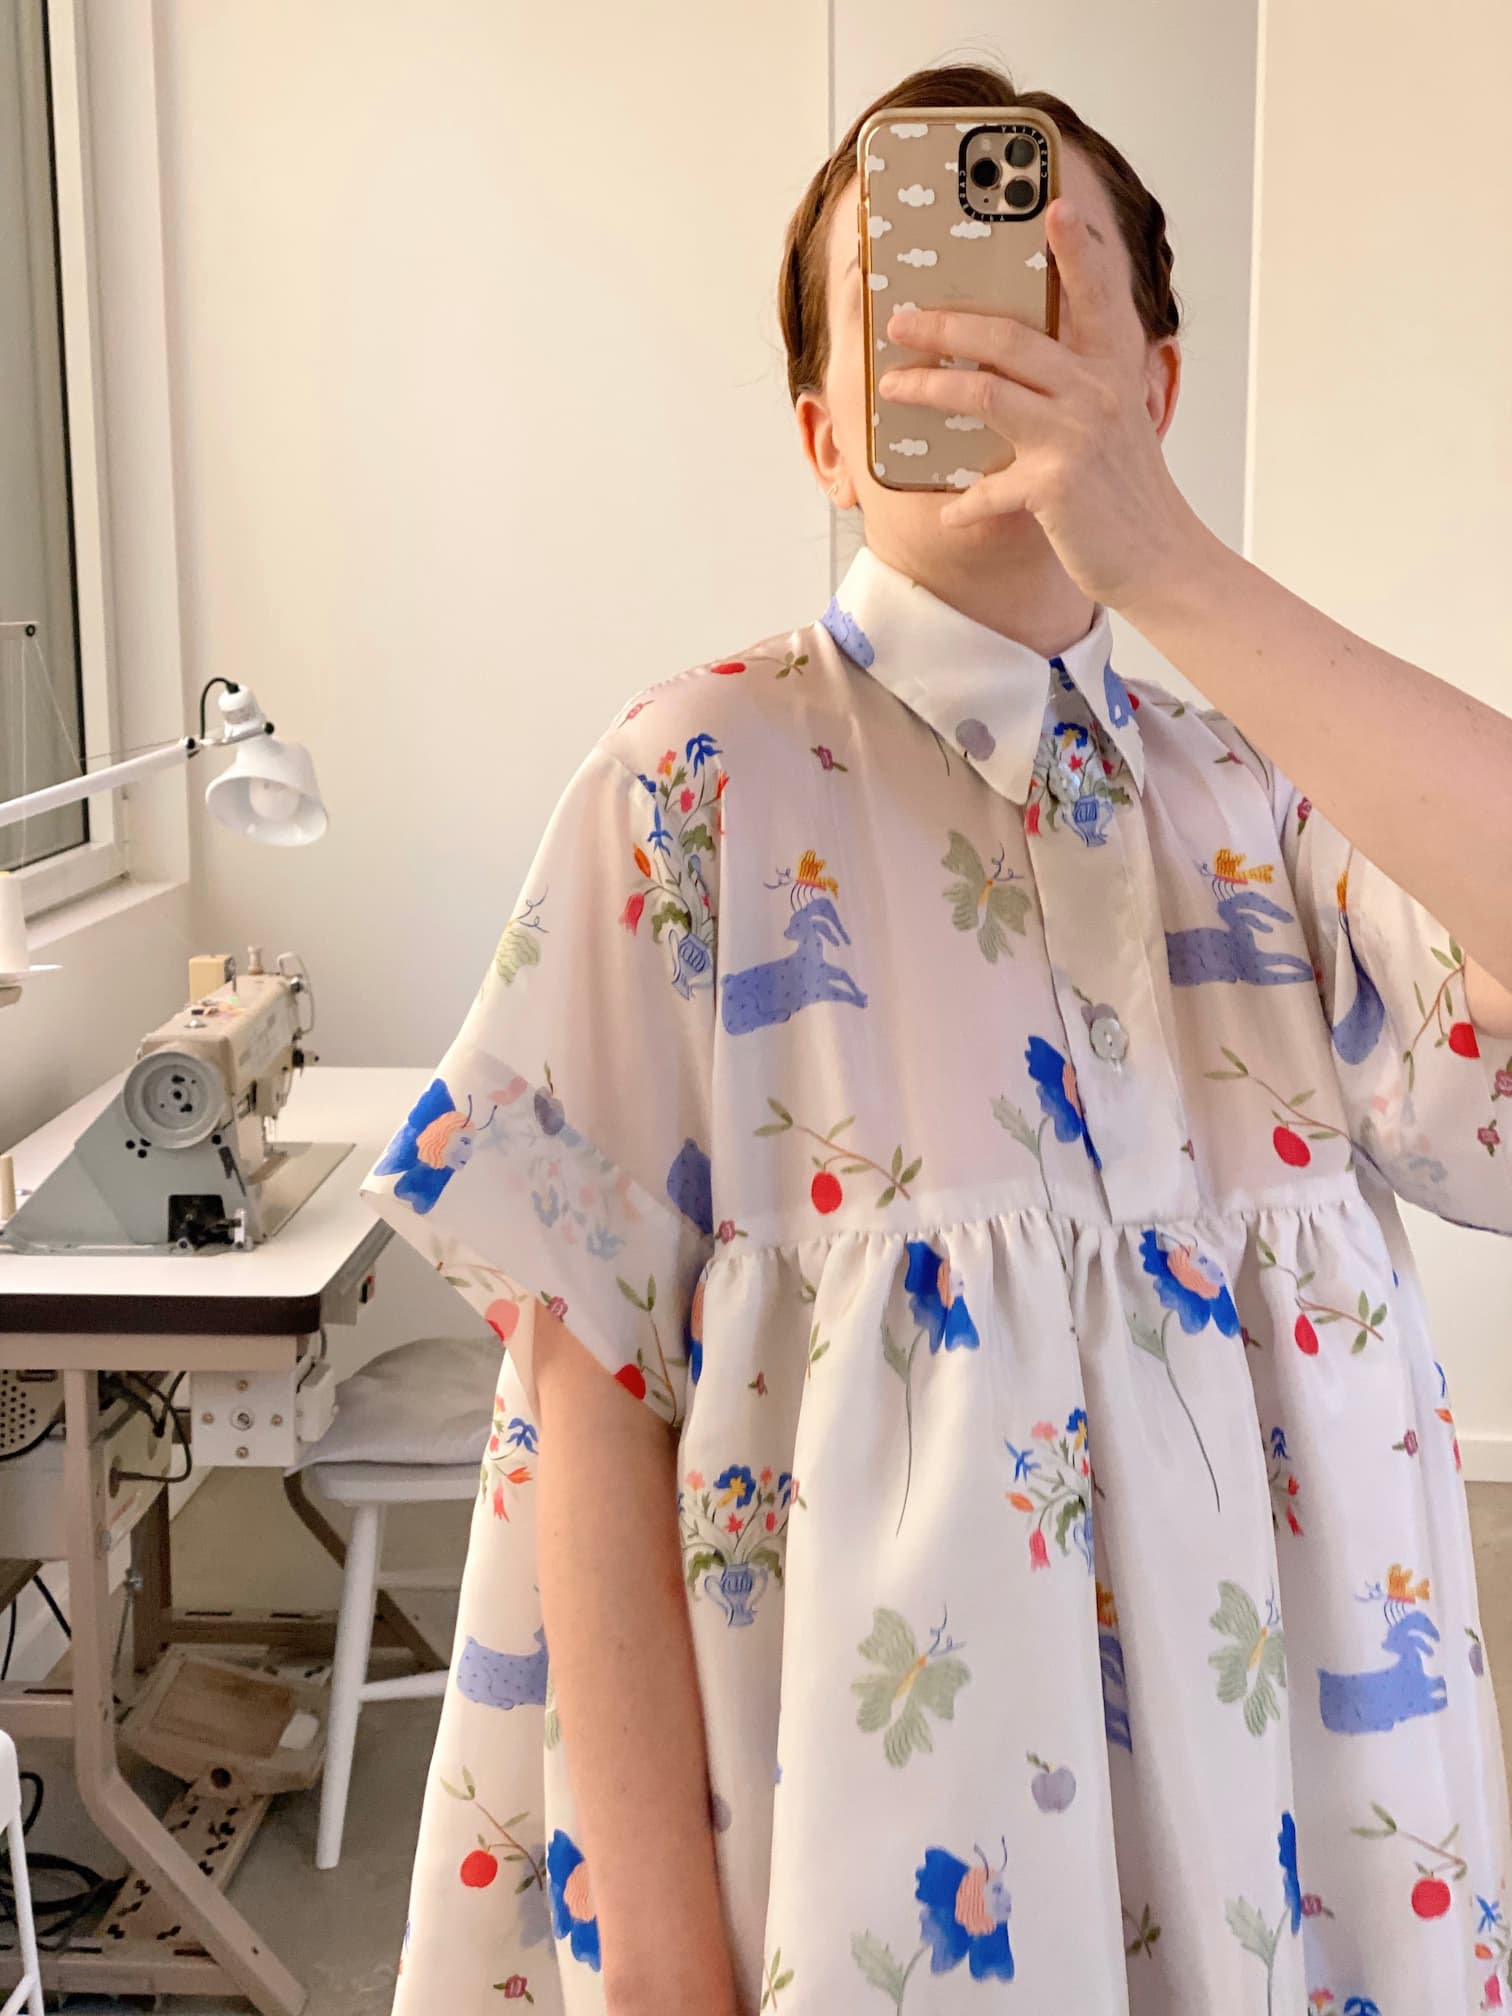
column 54, row 700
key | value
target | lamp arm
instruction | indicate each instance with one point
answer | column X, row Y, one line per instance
column 72, row 789
column 114, row 775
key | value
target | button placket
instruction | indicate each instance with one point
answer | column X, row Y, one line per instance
column 1108, row 995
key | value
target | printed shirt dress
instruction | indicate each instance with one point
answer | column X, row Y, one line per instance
column 966, row 1096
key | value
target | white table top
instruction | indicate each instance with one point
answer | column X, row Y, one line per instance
column 261, row 1287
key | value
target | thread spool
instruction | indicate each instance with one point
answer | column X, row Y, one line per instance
column 15, row 955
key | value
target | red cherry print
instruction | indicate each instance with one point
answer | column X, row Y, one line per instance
column 1430, row 1897
column 479, row 1869
column 825, row 1191
column 1291, row 1147
column 1306, row 1336
column 633, row 1380
column 1462, row 1040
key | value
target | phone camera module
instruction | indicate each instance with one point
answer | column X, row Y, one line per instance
column 1019, row 194
column 1020, row 151
column 983, row 171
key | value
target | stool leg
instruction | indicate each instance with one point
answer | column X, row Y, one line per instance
column 354, row 1634
column 26, row 1931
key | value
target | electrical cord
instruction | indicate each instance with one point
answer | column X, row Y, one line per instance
column 52, row 1603
column 56, row 1915
column 161, row 1422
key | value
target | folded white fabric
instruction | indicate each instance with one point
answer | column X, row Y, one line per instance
column 427, row 1401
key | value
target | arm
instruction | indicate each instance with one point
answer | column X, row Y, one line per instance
column 1416, row 772
column 1413, row 771
column 626, row 1686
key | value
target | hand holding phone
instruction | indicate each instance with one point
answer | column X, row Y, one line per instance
column 952, row 215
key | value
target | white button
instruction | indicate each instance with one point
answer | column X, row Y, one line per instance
column 1109, row 1038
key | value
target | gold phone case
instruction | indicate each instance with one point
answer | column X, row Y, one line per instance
column 930, row 237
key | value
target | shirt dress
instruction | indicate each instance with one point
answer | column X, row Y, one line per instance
column 966, row 1095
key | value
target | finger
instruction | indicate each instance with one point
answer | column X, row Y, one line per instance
column 991, row 496
column 1015, row 349
column 1016, row 412
column 1086, row 277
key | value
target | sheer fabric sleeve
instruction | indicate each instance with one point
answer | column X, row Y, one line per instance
column 1428, row 1093
column 559, row 1153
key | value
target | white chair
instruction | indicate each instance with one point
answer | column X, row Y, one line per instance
column 27, row 1993
column 410, row 1429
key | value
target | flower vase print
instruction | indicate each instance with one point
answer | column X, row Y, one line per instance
column 964, row 1918
column 674, row 865
column 1379, row 1697
column 1052, row 1486
column 733, row 1535
column 1074, row 781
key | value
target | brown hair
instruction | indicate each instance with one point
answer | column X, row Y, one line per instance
column 802, row 304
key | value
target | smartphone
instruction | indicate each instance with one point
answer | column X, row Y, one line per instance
column 951, row 215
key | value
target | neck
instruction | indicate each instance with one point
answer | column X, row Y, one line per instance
column 1002, row 573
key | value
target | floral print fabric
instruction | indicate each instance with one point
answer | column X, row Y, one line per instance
column 965, row 1095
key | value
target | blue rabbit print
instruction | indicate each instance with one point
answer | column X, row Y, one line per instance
column 1230, row 950
column 502, row 1679
column 773, row 990
column 1378, row 1698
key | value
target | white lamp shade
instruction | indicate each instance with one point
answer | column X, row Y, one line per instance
column 269, row 794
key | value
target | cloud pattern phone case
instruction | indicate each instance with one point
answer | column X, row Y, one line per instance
column 923, row 246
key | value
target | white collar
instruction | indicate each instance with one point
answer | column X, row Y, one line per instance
column 985, row 693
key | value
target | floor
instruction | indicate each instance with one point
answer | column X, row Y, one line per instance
column 339, row 1930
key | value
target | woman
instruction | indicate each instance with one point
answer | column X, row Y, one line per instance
column 961, row 1095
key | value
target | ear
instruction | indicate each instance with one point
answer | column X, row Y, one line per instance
column 1162, row 381
column 816, row 430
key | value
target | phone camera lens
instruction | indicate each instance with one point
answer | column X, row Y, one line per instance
column 1020, row 151
column 984, row 171
column 1019, row 193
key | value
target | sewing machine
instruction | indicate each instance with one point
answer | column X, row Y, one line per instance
column 182, row 1160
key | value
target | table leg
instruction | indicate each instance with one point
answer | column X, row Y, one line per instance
column 152, row 1558
column 125, row 1821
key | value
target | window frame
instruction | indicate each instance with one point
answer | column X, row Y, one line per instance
column 82, row 871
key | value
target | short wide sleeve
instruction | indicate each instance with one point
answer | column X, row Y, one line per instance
column 1428, row 1094
column 560, row 1152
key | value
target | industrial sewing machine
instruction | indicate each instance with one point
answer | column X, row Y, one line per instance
column 182, row 1159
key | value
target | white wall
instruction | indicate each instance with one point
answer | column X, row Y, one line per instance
column 466, row 459
column 1383, row 427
